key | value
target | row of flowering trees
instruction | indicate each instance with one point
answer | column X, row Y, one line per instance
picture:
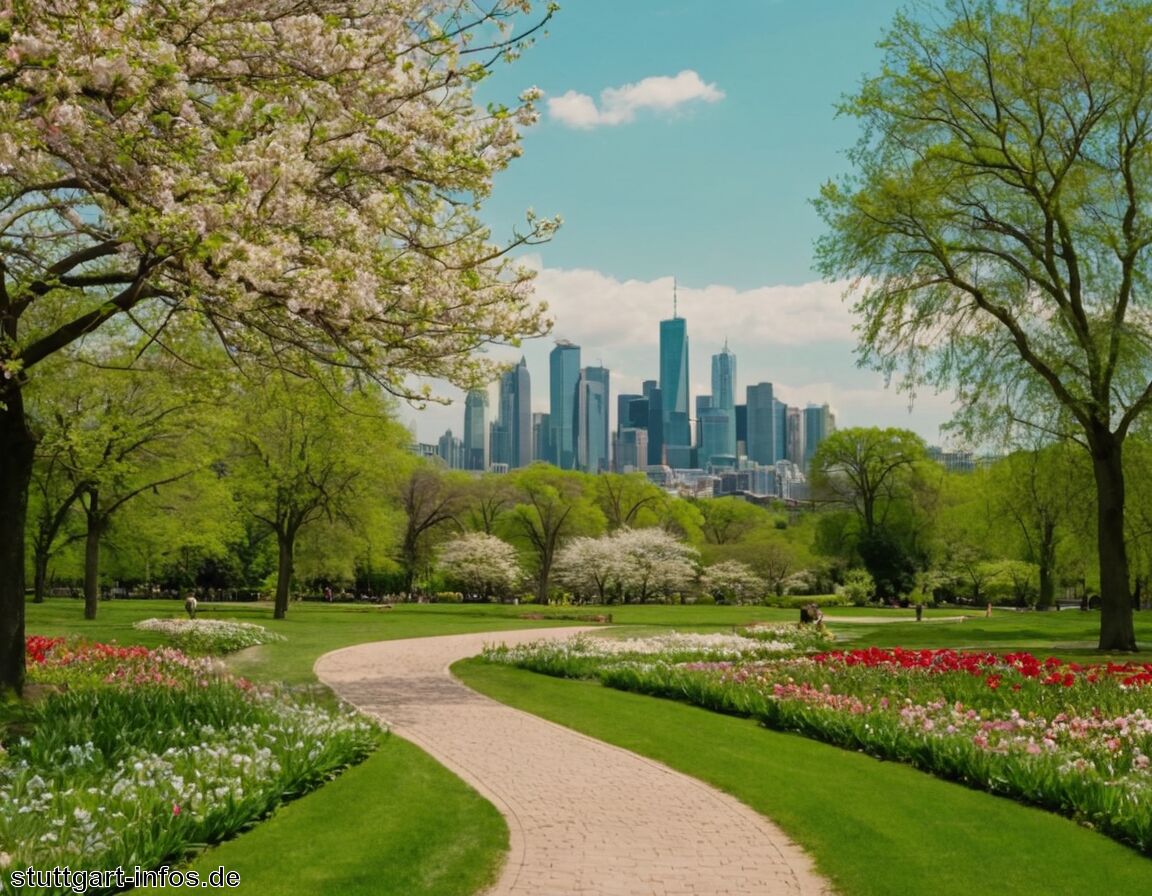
column 628, row 565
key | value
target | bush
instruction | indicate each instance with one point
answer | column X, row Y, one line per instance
column 859, row 588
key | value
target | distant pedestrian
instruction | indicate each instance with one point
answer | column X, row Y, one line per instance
column 190, row 603
column 328, row 594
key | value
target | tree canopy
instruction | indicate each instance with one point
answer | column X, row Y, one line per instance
column 300, row 178
column 997, row 226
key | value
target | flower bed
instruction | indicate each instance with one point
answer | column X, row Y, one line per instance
column 582, row 655
column 213, row 636
column 1073, row 738
column 133, row 755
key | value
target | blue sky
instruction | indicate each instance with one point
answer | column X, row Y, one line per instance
column 686, row 139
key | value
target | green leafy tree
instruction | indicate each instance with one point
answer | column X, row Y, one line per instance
column 554, row 506
column 307, row 454
column 630, row 500
column 880, row 475
column 729, row 520
column 1043, row 491
column 118, row 435
column 432, row 502
column 302, row 181
column 997, row 227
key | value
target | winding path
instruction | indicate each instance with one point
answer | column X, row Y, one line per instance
column 584, row 817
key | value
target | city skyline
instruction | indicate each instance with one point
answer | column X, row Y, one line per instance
column 694, row 160
column 584, row 428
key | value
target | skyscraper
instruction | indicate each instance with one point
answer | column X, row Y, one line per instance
column 819, row 423
column 723, row 404
column 655, row 422
column 476, row 430
column 592, row 427
column 796, row 436
column 674, row 382
column 564, row 374
column 762, row 417
column 512, row 433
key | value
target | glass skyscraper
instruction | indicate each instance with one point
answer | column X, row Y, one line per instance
column 592, row 427
column 476, row 430
column 723, row 436
column 674, row 382
column 512, row 434
column 564, row 376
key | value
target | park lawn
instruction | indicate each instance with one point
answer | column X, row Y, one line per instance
column 877, row 814
column 874, row 828
column 310, row 629
column 375, row 829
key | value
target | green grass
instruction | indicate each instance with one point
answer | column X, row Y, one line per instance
column 375, row 829
column 874, row 828
column 310, row 629
column 400, row 823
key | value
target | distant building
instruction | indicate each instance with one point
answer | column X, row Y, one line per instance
column 593, row 432
column 451, row 450
column 723, row 403
column 795, row 436
column 674, row 373
column 542, row 437
column 563, row 381
column 512, row 432
column 819, row 423
column 631, row 450
column 655, row 423
column 763, row 419
column 476, row 430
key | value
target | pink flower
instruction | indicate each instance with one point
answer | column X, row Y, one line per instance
column 175, row 809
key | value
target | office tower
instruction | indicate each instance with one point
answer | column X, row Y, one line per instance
column 638, row 412
column 624, row 409
column 819, row 423
column 564, row 374
column 723, row 403
column 631, row 449
column 674, row 382
column 476, row 430
column 796, row 436
column 762, row 418
column 512, row 433
column 741, row 429
column 655, row 422
column 592, row 427
column 724, row 379
column 779, row 429
column 542, row 437
column 451, row 450
column 703, row 406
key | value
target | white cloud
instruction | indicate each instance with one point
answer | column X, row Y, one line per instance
column 619, row 105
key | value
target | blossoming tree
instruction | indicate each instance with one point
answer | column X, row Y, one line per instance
column 299, row 177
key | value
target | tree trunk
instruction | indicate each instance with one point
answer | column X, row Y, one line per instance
column 286, row 541
column 1047, row 558
column 39, row 576
column 17, row 446
column 1116, row 628
column 92, row 555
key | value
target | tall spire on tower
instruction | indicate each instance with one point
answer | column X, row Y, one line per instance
column 674, row 315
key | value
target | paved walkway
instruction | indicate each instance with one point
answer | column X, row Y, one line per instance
column 584, row 817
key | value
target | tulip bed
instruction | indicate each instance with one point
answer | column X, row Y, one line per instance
column 128, row 756
column 1076, row 739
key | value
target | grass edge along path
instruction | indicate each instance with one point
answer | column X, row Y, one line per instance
column 874, row 828
column 453, row 845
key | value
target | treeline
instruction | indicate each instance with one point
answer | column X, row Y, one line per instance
column 162, row 478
